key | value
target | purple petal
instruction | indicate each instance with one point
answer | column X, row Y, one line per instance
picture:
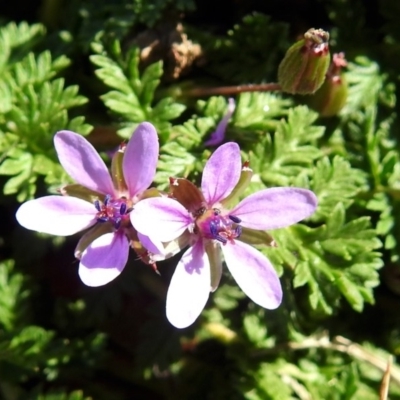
column 160, row 218
column 275, row 208
column 153, row 246
column 140, row 158
column 104, row 259
column 189, row 288
column 254, row 274
column 218, row 136
column 57, row 215
column 82, row 162
column 221, row 173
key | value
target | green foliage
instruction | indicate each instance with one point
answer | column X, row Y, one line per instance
column 180, row 155
column 259, row 111
column 13, row 294
column 280, row 157
column 33, row 107
column 60, row 340
column 366, row 85
column 133, row 93
column 286, row 381
column 75, row 395
column 333, row 182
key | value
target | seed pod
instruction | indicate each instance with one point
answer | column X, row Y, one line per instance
column 303, row 69
column 332, row 95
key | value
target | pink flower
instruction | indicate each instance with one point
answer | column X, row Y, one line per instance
column 211, row 226
column 98, row 200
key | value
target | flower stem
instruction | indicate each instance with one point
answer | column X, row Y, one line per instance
column 232, row 90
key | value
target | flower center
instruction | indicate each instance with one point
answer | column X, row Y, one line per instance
column 213, row 225
column 112, row 210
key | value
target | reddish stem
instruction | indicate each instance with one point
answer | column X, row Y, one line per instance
column 232, row 90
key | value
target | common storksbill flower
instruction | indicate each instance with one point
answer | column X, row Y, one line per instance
column 205, row 218
column 98, row 200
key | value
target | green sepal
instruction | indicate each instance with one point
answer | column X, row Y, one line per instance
column 117, row 172
column 214, row 256
column 81, row 192
column 330, row 98
column 90, row 236
column 303, row 69
column 255, row 237
column 241, row 186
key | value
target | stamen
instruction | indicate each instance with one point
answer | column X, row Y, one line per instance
column 213, row 229
column 122, row 209
column 236, row 220
column 107, row 199
column 112, row 210
column 221, row 239
column 218, row 227
column 238, row 231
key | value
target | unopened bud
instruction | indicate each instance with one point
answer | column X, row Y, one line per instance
column 303, row 69
column 332, row 95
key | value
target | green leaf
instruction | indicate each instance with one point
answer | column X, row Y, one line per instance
column 133, row 93
column 336, row 258
column 35, row 107
column 333, row 182
column 280, row 158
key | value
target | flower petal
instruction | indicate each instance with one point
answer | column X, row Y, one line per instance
column 104, row 259
column 218, row 136
column 275, row 208
column 140, row 158
column 57, row 215
column 254, row 274
column 160, row 218
column 221, row 173
column 82, row 162
column 189, row 289
column 153, row 246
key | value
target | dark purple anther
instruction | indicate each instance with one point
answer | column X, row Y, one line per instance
column 102, row 219
column 236, row 220
column 238, row 231
column 107, row 199
column 122, row 209
column 221, row 239
column 97, row 205
column 213, row 229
